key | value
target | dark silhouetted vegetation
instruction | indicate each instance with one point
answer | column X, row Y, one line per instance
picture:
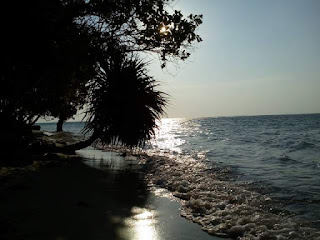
column 59, row 56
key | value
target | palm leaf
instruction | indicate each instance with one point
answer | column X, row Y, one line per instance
column 125, row 105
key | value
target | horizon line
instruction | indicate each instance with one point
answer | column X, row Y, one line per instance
column 222, row 116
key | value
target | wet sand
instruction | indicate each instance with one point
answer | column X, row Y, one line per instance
column 78, row 201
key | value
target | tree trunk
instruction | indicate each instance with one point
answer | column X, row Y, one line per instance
column 34, row 121
column 59, row 125
column 70, row 149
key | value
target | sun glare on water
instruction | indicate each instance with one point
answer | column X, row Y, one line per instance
column 143, row 224
column 166, row 138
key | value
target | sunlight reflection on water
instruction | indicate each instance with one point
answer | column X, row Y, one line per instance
column 143, row 222
column 167, row 135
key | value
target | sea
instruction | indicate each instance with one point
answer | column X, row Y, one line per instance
column 277, row 156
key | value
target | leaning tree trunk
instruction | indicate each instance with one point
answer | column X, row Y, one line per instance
column 59, row 125
column 70, row 149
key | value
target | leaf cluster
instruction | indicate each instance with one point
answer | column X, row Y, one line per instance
column 59, row 56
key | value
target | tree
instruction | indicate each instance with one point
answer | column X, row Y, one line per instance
column 43, row 56
column 137, row 25
column 124, row 103
column 59, row 55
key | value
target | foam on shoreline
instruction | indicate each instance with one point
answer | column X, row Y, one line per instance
column 223, row 208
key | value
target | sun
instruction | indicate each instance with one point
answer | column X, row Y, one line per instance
column 166, row 29
column 163, row 30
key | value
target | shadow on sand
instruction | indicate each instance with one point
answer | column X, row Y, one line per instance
column 71, row 202
column 81, row 201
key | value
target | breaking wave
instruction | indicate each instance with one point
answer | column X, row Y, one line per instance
column 223, row 208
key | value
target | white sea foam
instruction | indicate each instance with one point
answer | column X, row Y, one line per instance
column 222, row 208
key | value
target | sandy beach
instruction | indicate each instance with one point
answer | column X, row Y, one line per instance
column 77, row 201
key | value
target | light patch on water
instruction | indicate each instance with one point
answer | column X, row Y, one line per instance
column 99, row 159
column 143, row 223
column 165, row 139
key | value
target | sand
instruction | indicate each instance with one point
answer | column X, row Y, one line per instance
column 77, row 201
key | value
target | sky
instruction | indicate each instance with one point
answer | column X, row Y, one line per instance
column 257, row 58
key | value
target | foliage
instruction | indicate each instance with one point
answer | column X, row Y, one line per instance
column 124, row 104
column 43, row 55
column 60, row 55
column 136, row 25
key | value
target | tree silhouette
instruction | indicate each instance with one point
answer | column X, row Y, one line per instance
column 125, row 104
column 60, row 55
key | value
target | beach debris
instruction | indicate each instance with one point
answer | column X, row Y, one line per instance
column 49, row 134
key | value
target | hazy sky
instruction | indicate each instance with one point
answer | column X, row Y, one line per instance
column 257, row 57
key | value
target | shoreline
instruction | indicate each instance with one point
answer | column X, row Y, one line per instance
column 219, row 207
column 76, row 201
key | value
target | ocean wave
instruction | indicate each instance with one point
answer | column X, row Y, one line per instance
column 302, row 145
column 287, row 160
column 222, row 208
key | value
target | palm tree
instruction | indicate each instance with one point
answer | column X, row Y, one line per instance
column 124, row 104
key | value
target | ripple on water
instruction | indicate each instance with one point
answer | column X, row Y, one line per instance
column 223, row 208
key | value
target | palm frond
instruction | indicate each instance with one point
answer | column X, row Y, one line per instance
column 125, row 105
